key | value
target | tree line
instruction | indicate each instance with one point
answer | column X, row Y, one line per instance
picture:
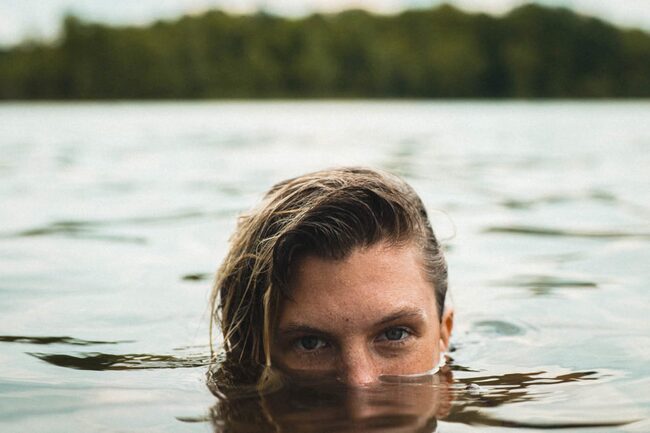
column 532, row 52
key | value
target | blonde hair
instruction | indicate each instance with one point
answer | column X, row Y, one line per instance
column 326, row 213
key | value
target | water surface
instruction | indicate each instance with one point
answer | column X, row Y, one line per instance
column 115, row 216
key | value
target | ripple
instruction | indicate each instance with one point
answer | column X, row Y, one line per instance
column 90, row 229
column 201, row 276
column 509, row 381
column 496, row 390
column 77, row 229
column 527, row 204
column 476, row 417
column 544, row 284
column 470, row 400
column 498, row 328
column 545, row 231
column 55, row 340
column 476, row 393
column 105, row 361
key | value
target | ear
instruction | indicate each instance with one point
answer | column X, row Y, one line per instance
column 446, row 325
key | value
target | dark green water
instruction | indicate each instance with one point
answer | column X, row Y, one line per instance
column 115, row 216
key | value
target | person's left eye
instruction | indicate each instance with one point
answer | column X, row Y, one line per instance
column 394, row 334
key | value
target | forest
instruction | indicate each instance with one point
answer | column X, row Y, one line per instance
column 442, row 52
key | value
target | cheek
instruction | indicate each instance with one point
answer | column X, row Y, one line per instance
column 427, row 355
column 421, row 357
column 325, row 359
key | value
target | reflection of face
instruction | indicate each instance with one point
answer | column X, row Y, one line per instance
column 370, row 314
column 305, row 406
column 394, row 408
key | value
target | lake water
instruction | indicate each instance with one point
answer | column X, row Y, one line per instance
column 113, row 218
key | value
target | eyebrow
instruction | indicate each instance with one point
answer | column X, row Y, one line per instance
column 407, row 312
column 404, row 313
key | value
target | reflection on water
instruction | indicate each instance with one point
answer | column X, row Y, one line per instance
column 496, row 328
column 404, row 406
column 95, row 229
column 53, row 340
column 546, row 281
column 197, row 277
column 107, row 361
column 544, row 231
column 545, row 284
column 115, row 216
column 415, row 404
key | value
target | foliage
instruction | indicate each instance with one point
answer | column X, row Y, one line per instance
column 532, row 52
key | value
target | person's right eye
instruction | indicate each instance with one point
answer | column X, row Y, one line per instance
column 310, row 343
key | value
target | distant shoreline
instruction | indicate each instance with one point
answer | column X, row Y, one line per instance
column 442, row 53
column 459, row 101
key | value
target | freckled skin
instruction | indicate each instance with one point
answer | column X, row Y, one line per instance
column 371, row 314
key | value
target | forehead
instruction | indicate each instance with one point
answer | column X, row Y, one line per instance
column 369, row 283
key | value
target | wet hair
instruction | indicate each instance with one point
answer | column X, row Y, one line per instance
column 327, row 214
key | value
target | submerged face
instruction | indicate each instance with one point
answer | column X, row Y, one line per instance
column 370, row 314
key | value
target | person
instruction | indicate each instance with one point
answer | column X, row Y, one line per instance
column 337, row 273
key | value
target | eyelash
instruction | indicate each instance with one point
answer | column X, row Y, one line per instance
column 407, row 333
column 382, row 338
column 298, row 341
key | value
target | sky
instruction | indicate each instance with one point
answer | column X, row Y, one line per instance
column 40, row 19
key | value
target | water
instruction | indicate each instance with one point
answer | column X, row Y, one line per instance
column 115, row 216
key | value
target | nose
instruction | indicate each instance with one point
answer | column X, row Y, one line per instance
column 357, row 367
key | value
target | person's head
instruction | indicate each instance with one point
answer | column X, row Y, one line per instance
column 339, row 272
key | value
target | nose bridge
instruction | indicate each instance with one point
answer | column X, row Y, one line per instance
column 357, row 366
